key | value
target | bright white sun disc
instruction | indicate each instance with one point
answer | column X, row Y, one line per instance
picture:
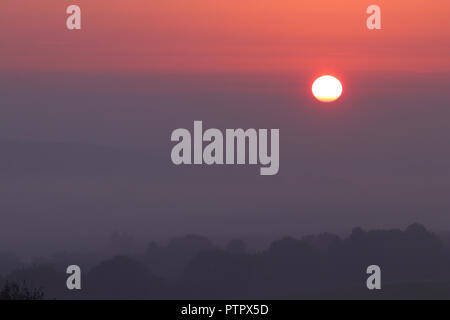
column 327, row 88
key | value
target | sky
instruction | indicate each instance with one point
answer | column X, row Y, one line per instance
column 86, row 118
column 202, row 35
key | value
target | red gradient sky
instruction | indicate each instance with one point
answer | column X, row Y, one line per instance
column 232, row 35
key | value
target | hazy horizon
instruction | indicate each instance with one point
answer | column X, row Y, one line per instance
column 89, row 154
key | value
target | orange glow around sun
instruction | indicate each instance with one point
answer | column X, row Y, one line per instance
column 327, row 88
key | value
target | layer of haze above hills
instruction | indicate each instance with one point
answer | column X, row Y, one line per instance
column 83, row 155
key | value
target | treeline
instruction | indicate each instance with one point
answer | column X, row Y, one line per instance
column 415, row 263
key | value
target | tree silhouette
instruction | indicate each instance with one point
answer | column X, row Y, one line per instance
column 13, row 291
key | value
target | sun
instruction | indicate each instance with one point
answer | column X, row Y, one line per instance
column 327, row 88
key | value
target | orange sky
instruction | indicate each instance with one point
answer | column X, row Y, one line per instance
column 232, row 35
